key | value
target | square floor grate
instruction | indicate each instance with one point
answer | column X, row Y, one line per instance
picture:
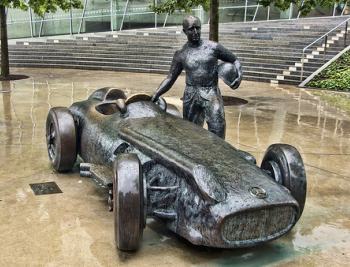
column 45, row 188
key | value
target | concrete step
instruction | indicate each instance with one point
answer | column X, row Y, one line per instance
column 87, row 67
column 240, row 55
column 107, row 62
column 232, row 46
column 270, row 53
column 247, row 60
column 295, row 47
column 281, row 56
column 99, row 61
column 140, row 68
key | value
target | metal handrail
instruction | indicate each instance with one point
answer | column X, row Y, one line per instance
column 342, row 13
column 256, row 11
column 325, row 36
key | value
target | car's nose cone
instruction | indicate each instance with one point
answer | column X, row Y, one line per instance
column 253, row 226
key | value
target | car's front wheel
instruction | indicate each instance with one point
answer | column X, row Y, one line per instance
column 61, row 139
column 285, row 165
column 128, row 202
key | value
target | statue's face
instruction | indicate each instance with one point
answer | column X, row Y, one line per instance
column 192, row 29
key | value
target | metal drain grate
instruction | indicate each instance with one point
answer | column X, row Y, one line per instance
column 45, row 188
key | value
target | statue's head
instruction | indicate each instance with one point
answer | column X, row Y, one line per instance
column 192, row 28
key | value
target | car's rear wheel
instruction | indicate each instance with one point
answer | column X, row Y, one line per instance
column 285, row 165
column 61, row 139
column 128, row 202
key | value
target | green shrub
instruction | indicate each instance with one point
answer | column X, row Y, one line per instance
column 336, row 76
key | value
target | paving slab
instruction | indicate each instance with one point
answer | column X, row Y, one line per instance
column 74, row 228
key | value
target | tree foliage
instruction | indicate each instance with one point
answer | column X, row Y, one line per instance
column 41, row 7
column 170, row 6
column 304, row 6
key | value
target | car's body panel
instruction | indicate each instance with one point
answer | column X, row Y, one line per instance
column 180, row 143
column 203, row 184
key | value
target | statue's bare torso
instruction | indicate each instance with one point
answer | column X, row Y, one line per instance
column 200, row 64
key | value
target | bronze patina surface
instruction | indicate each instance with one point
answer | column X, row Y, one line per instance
column 202, row 100
column 164, row 168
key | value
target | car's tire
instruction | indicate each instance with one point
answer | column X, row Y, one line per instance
column 128, row 202
column 285, row 165
column 61, row 139
column 173, row 110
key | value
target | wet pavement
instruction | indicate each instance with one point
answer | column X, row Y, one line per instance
column 74, row 228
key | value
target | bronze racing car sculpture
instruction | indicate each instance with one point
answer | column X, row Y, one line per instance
column 156, row 164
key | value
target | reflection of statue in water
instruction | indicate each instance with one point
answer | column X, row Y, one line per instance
column 199, row 58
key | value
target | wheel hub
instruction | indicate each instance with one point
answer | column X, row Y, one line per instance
column 51, row 142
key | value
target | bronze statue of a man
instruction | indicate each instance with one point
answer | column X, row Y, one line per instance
column 199, row 58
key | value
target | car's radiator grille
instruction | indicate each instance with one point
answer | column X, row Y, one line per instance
column 261, row 224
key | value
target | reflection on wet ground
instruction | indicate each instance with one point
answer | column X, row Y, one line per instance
column 75, row 229
column 233, row 101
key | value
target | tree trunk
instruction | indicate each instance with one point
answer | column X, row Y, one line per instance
column 5, row 69
column 214, row 21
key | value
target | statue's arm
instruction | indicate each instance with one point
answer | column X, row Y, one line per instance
column 174, row 72
column 227, row 56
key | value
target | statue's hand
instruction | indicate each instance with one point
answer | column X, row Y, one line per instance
column 235, row 84
column 155, row 98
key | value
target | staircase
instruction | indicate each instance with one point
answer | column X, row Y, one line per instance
column 268, row 51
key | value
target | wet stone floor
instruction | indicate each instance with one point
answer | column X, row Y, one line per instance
column 74, row 228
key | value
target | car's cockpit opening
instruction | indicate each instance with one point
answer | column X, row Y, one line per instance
column 107, row 108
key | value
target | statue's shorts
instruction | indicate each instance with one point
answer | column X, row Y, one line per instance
column 205, row 103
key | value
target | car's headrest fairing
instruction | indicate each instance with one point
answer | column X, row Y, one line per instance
column 107, row 94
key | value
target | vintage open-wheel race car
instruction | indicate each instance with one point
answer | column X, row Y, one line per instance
column 154, row 163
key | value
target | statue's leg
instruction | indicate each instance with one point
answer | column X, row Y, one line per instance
column 215, row 116
column 191, row 110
